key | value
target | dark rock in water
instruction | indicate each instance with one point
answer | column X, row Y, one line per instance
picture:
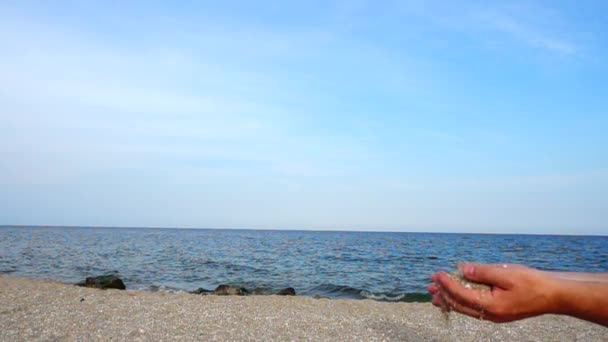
column 259, row 291
column 201, row 291
column 318, row 296
column 104, row 282
column 290, row 291
column 229, row 290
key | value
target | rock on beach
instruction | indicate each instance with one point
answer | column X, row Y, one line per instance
column 290, row 291
column 104, row 282
column 229, row 290
column 201, row 291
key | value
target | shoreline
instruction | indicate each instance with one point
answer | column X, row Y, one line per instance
column 338, row 291
column 33, row 309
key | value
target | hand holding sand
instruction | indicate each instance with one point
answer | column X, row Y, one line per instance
column 516, row 292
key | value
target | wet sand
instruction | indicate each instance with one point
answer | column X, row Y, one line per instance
column 48, row 310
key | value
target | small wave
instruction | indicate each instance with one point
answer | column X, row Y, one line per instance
column 397, row 297
column 382, row 296
column 344, row 291
column 337, row 291
column 156, row 288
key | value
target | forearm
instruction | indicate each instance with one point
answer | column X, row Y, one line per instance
column 584, row 300
column 580, row 276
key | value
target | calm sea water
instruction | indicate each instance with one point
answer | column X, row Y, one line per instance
column 383, row 266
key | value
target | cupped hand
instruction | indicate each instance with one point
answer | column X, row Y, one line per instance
column 517, row 292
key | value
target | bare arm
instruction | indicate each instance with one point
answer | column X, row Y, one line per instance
column 580, row 276
column 583, row 299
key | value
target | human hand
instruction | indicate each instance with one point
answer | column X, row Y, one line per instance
column 517, row 292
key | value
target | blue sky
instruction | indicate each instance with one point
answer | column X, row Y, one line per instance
column 464, row 116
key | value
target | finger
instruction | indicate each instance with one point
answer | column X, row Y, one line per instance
column 487, row 274
column 437, row 300
column 454, row 305
column 469, row 297
column 478, row 313
column 509, row 266
column 433, row 288
column 440, row 302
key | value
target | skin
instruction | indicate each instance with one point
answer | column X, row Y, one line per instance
column 520, row 292
column 594, row 277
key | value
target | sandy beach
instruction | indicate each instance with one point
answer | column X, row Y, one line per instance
column 48, row 310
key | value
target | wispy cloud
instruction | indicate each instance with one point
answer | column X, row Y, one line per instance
column 528, row 24
column 99, row 107
column 529, row 33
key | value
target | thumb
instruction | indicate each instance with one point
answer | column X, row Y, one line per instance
column 487, row 274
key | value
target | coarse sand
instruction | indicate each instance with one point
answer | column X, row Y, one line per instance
column 47, row 310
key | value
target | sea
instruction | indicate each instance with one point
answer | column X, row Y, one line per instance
column 384, row 266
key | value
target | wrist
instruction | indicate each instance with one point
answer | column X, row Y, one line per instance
column 563, row 297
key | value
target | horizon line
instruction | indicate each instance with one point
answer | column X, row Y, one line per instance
column 291, row 230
